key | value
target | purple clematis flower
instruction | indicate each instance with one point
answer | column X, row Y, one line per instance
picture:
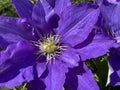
column 45, row 41
column 110, row 19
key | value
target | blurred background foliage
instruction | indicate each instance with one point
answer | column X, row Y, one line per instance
column 6, row 8
column 98, row 66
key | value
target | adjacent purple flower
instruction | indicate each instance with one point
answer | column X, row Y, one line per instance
column 110, row 13
column 110, row 24
column 100, row 2
column 114, row 67
column 39, row 50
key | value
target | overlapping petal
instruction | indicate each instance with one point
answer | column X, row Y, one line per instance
column 78, row 22
column 99, row 46
column 44, row 16
column 70, row 57
column 51, row 2
column 38, row 14
column 14, row 30
column 15, row 68
column 61, row 5
column 56, row 76
column 36, row 84
column 80, row 78
column 23, row 76
column 50, row 15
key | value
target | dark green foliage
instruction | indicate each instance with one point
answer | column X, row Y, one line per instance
column 6, row 8
column 99, row 68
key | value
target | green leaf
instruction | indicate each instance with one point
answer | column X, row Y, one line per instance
column 99, row 68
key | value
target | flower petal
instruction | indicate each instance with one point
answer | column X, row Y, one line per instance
column 114, row 67
column 40, row 68
column 113, row 1
column 44, row 16
column 70, row 57
column 38, row 17
column 99, row 2
column 38, row 14
column 80, row 78
column 23, row 76
column 51, row 17
column 36, row 84
column 23, row 8
column 3, row 43
column 99, row 46
column 111, row 15
column 15, row 64
column 52, row 2
column 13, row 30
column 79, row 20
column 56, row 76
column 60, row 5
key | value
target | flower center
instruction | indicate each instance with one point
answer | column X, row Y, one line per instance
column 49, row 46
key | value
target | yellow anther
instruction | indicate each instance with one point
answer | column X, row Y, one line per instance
column 48, row 46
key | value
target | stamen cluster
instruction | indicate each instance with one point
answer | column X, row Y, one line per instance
column 49, row 45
